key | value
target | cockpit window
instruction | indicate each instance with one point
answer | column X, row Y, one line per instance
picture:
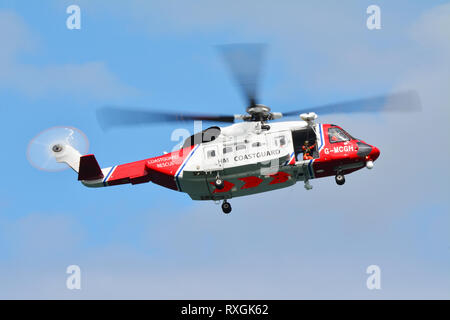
column 349, row 135
column 335, row 134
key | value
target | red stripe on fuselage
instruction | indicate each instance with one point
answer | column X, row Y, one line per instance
column 160, row 170
column 251, row 182
column 279, row 177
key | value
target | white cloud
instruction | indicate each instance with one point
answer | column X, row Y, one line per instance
column 322, row 47
column 40, row 235
column 433, row 29
column 93, row 78
column 259, row 251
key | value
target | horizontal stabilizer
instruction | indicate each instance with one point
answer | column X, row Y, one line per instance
column 89, row 168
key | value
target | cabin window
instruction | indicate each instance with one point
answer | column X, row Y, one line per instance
column 240, row 147
column 227, row 149
column 336, row 134
column 280, row 141
column 211, row 153
column 256, row 144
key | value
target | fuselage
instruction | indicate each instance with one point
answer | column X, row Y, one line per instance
column 248, row 159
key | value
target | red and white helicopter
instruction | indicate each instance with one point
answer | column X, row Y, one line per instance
column 248, row 156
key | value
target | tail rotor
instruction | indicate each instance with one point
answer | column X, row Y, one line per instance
column 57, row 148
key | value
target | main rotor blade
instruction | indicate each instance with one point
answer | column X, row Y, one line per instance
column 110, row 117
column 407, row 101
column 245, row 63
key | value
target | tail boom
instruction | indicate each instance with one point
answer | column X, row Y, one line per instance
column 162, row 170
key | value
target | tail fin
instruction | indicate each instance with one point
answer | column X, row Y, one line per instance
column 89, row 168
column 89, row 172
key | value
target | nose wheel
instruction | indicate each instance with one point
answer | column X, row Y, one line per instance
column 340, row 179
column 226, row 207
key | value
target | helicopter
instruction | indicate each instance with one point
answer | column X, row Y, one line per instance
column 252, row 153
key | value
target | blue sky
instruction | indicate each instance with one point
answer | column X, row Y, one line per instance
column 147, row 242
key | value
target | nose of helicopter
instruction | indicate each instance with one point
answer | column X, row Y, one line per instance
column 375, row 153
column 368, row 153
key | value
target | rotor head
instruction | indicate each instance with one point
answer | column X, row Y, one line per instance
column 259, row 112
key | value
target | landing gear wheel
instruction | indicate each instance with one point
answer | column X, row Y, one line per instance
column 219, row 184
column 226, row 207
column 340, row 179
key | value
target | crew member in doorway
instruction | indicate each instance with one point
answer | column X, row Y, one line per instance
column 308, row 150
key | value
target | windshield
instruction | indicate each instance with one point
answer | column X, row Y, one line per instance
column 336, row 134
